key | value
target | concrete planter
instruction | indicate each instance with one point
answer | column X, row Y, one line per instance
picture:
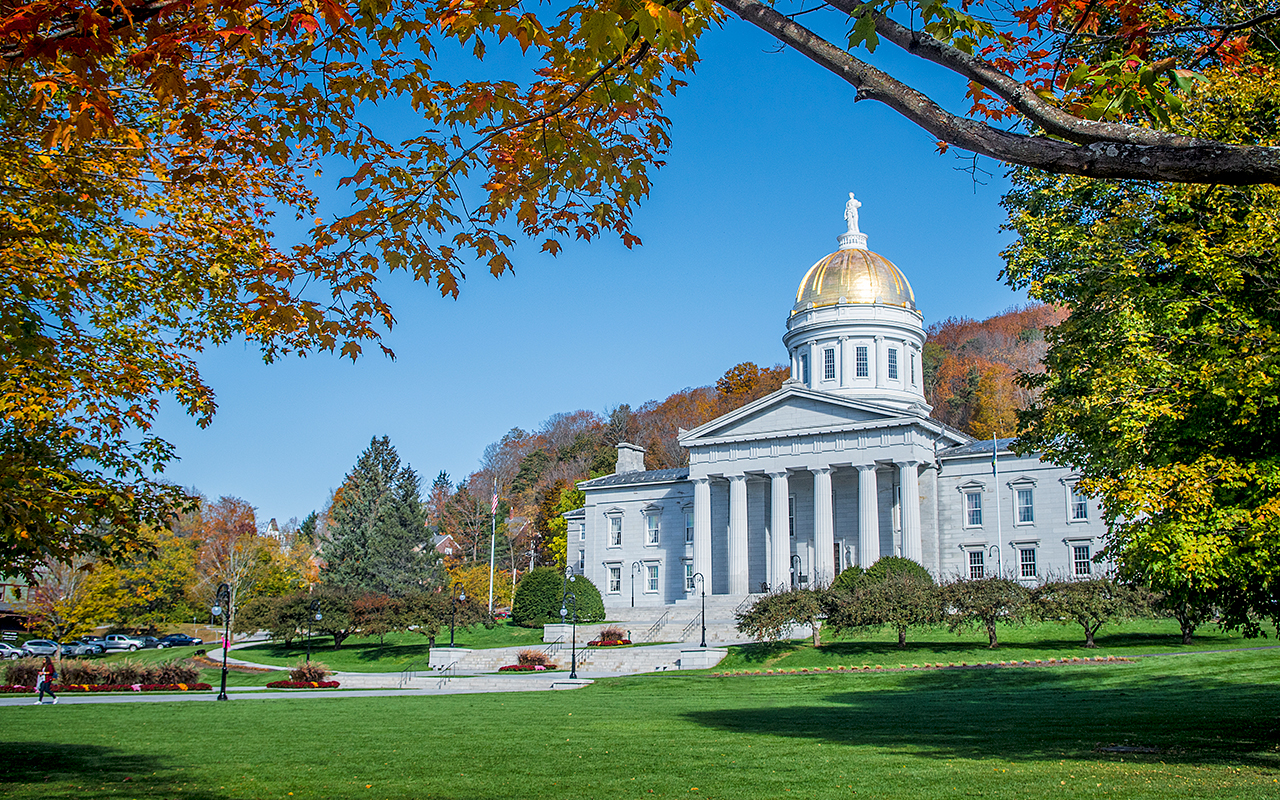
column 440, row 658
column 702, row 657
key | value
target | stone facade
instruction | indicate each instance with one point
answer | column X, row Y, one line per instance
column 844, row 463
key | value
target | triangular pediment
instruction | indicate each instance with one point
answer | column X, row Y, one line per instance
column 792, row 410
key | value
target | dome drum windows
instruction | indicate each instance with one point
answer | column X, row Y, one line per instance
column 863, row 369
column 893, row 363
column 829, row 364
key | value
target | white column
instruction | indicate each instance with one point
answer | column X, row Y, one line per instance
column 824, row 570
column 780, row 557
column 909, row 480
column 738, row 572
column 868, row 517
column 795, row 364
column 815, row 365
column 882, row 362
column 702, row 530
column 846, row 362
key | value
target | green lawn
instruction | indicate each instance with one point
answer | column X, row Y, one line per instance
column 990, row 733
column 1017, row 642
column 393, row 654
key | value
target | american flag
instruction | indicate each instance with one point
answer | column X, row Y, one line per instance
column 493, row 507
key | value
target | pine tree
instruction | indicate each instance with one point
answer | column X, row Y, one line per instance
column 376, row 540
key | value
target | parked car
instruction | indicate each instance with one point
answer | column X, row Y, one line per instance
column 39, row 647
column 100, row 641
column 151, row 641
column 118, row 641
column 180, row 640
column 79, row 648
column 9, row 651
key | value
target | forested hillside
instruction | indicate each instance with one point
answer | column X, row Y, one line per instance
column 970, row 371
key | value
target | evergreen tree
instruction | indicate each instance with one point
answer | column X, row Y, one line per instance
column 376, row 539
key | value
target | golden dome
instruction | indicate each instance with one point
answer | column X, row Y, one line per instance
column 855, row 275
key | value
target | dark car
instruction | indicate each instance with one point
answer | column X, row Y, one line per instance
column 151, row 641
column 180, row 640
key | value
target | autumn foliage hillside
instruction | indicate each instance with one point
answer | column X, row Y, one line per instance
column 970, row 367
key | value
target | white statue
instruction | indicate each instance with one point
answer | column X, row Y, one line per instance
column 851, row 213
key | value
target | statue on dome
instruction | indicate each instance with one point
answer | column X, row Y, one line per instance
column 851, row 213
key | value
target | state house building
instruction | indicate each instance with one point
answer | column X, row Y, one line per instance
column 841, row 466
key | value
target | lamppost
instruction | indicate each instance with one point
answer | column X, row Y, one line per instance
column 796, row 565
column 315, row 613
column 570, row 597
column 996, row 556
column 453, row 607
column 698, row 581
column 222, row 605
column 635, row 570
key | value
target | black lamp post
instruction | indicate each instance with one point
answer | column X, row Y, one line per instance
column 569, row 598
column 635, row 570
column 317, row 616
column 223, row 606
column 453, row 607
column 699, row 582
column 796, row 565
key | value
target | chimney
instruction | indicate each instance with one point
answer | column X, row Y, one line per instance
column 630, row 458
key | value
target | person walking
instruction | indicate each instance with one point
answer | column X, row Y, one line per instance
column 47, row 676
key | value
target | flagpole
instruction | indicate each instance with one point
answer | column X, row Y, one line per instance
column 493, row 535
column 995, row 468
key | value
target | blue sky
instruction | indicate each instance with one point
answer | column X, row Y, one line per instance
column 766, row 147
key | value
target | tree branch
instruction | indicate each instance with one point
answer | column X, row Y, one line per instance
column 1196, row 162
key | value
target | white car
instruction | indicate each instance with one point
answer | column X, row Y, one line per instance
column 118, row 641
column 9, row 651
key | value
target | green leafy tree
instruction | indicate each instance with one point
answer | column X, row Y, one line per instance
column 150, row 586
column 1191, row 608
column 378, row 527
column 336, row 605
column 902, row 596
column 378, row 615
column 774, row 615
column 984, row 602
column 1159, row 387
column 540, row 596
column 1091, row 604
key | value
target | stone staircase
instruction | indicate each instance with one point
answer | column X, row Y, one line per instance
column 682, row 620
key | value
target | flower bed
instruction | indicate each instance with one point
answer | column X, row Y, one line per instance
column 525, row 668
column 303, row 685
column 608, row 642
column 961, row 665
column 113, row 687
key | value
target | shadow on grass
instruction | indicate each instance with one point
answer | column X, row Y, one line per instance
column 358, row 651
column 95, row 771
column 1033, row 714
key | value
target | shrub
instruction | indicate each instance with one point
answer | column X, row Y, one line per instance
column 848, row 578
column 540, row 594
column 177, row 672
column 130, row 672
column 22, row 672
column 306, row 672
column 303, row 685
column 533, row 658
column 611, row 633
column 88, row 673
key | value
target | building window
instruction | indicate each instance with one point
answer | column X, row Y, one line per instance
column 615, row 580
column 582, row 533
column 973, row 509
column 977, row 565
column 651, row 528
column 688, row 527
column 1027, row 562
column 861, row 361
column 893, row 363
column 913, row 368
column 829, row 364
column 804, row 368
column 1081, row 564
column 582, row 562
column 1079, row 505
column 1026, row 507
column 688, row 576
column 651, row 577
column 615, row 531
column 791, row 515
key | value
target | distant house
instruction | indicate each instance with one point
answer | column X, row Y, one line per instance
column 445, row 545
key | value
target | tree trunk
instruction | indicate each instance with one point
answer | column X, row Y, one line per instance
column 902, row 637
column 816, row 626
column 1188, row 628
column 991, row 635
column 1088, row 637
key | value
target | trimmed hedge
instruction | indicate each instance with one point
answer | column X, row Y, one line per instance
column 541, row 591
column 526, row 668
column 853, row 577
column 114, row 687
column 303, row 685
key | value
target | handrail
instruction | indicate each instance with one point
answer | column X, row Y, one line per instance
column 656, row 627
column 746, row 603
column 446, row 675
column 693, row 623
column 553, row 647
column 410, row 671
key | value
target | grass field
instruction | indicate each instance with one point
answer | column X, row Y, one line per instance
column 393, row 654
column 987, row 733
